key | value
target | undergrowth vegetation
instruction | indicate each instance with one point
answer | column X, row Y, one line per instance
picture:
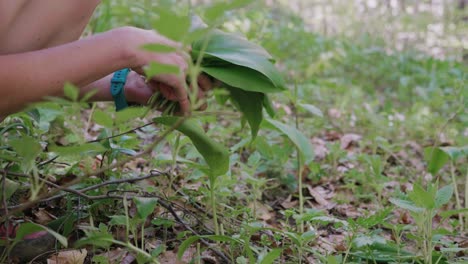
column 364, row 162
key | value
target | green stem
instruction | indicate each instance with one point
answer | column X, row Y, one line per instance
column 301, row 196
column 429, row 237
column 213, row 205
column 457, row 195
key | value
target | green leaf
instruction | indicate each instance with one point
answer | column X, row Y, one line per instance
column 218, row 9
column 268, row 105
column 447, row 214
column 312, row 109
column 118, row 220
column 408, row 205
column 154, row 69
column 242, row 78
column 421, row 197
column 172, row 25
column 273, row 255
column 299, row 140
column 26, row 147
column 128, row 114
column 435, row 158
column 215, row 154
column 71, row 92
column 227, row 47
column 102, row 118
column 443, row 196
column 456, row 153
column 159, row 48
column 145, row 206
column 10, row 188
column 250, row 104
column 30, row 228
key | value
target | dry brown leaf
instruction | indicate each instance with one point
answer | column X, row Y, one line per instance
column 288, row 204
column 317, row 196
column 169, row 257
column 334, row 113
column 43, row 217
column 262, row 211
column 320, row 148
column 68, row 257
column 349, row 140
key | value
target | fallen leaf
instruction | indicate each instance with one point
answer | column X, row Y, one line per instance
column 349, row 140
column 68, row 257
column 43, row 217
column 317, row 196
column 320, row 148
column 288, row 204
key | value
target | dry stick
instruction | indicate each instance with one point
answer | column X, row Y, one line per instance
column 121, row 134
column 29, row 204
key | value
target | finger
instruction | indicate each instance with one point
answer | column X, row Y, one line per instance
column 204, row 82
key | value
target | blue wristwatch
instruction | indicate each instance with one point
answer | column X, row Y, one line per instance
column 117, row 88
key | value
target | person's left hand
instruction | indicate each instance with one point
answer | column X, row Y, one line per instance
column 138, row 91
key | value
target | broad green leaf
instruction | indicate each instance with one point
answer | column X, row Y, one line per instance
column 242, row 78
column 443, row 196
column 456, row 153
column 215, row 154
column 118, row 220
column 250, row 104
column 145, row 206
column 159, row 48
column 312, row 109
column 154, row 69
column 102, row 118
column 218, row 9
column 172, row 25
column 26, row 147
column 10, row 188
column 273, row 255
column 128, row 114
column 436, row 159
column 408, row 205
column 301, row 141
column 268, row 105
column 30, row 228
column 421, row 197
column 365, row 240
column 239, row 51
column 71, row 92
column 446, row 214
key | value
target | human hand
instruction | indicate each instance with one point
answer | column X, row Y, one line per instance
column 137, row 90
column 173, row 85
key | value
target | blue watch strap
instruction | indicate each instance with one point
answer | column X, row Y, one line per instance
column 117, row 88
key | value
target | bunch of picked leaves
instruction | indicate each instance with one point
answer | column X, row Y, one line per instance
column 246, row 71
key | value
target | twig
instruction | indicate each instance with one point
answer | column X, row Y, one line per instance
column 121, row 134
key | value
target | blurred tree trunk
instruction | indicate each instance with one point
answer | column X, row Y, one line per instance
column 462, row 4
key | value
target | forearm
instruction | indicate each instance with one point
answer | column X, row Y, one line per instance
column 28, row 77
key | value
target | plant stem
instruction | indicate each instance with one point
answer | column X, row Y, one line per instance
column 429, row 237
column 457, row 195
column 213, row 205
column 301, row 196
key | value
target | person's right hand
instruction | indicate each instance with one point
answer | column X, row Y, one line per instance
column 173, row 84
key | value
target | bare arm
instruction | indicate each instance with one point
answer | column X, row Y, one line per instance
column 28, row 77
